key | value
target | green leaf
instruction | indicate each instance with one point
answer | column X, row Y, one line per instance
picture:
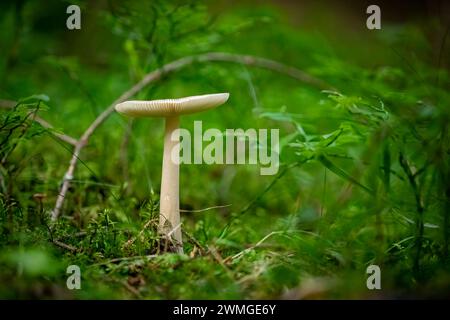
column 35, row 98
column 340, row 172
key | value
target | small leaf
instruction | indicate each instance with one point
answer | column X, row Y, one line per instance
column 338, row 171
column 35, row 97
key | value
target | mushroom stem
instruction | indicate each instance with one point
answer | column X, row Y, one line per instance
column 169, row 212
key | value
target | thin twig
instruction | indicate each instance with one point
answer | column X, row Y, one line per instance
column 266, row 64
column 132, row 289
column 60, row 136
column 194, row 241
column 206, row 209
column 258, row 244
column 158, row 74
column 9, row 104
column 131, row 241
column 216, row 255
column 115, row 260
column 65, row 246
column 420, row 210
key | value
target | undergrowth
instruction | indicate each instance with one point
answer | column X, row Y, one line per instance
column 364, row 176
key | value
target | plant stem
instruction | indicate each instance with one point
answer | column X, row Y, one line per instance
column 169, row 202
column 420, row 210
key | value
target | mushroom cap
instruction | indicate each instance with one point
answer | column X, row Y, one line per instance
column 171, row 107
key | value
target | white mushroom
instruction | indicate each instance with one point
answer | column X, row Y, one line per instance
column 171, row 109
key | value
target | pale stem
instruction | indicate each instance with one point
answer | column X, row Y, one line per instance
column 169, row 218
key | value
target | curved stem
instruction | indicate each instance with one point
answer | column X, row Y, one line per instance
column 169, row 203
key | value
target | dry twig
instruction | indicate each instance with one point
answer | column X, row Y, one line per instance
column 9, row 104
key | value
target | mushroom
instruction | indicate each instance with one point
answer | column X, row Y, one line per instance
column 171, row 109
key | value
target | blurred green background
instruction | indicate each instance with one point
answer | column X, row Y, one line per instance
column 364, row 176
